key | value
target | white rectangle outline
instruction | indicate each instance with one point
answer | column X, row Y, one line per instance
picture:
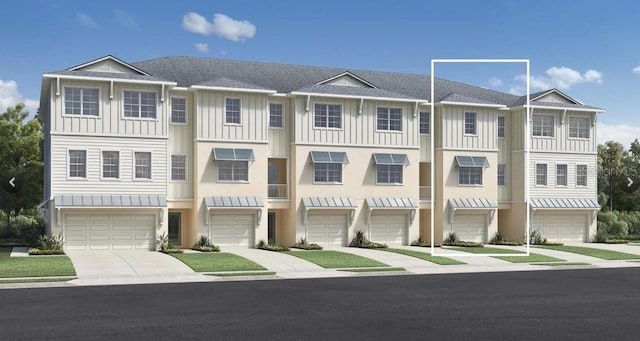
column 526, row 154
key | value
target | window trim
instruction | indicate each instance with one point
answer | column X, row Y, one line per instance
column 328, row 128
column 186, row 111
column 481, row 184
column 86, row 166
column 139, row 118
column 504, row 175
column 566, row 175
column 586, row 176
column 390, row 183
column 553, row 127
column 546, row 175
column 475, row 123
column 102, row 177
column 133, row 175
column 504, row 126
column 64, row 105
column 341, row 165
column 231, row 181
column 428, row 115
column 186, row 168
column 281, row 117
column 578, row 137
column 239, row 111
column 389, row 130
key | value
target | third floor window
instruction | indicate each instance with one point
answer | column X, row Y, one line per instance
column 542, row 125
column 579, row 127
column 178, row 110
column 327, row 116
column 81, row 101
column 425, row 123
column 389, row 119
column 275, row 115
column 501, row 129
column 232, row 110
column 470, row 123
column 139, row 104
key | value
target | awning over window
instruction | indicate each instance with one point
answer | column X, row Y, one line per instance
column 73, row 200
column 233, row 154
column 233, row 202
column 405, row 203
column 391, row 159
column 561, row 203
column 329, row 202
column 329, row 157
column 472, row 161
column 482, row 203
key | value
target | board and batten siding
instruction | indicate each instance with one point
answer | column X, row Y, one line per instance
column 94, row 146
column 181, row 143
column 210, row 114
column 516, row 176
column 357, row 129
column 425, row 148
column 517, row 129
column 453, row 128
column 571, row 190
column 561, row 141
column 111, row 120
column 280, row 138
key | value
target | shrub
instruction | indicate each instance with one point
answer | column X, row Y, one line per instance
column 616, row 241
column 601, row 236
column 271, row 247
column 38, row 252
column 615, row 223
column 302, row 244
column 25, row 228
column 361, row 241
column 423, row 243
column 50, row 243
column 451, row 238
column 498, row 239
column 164, row 245
column 535, row 238
column 462, row 244
column 204, row 245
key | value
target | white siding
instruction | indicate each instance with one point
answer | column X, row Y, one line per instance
column 181, row 143
column 211, row 117
column 571, row 190
column 453, row 127
column 93, row 184
column 108, row 66
column 561, row 141
column 425, row 148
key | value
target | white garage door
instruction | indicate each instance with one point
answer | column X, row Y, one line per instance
column 232, row 229
column 109, row 231
column 389, row 228
column 470, row 227
column 327, row 229
column 561, row 227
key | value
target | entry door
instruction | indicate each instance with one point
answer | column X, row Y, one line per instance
column 271, row 222
column 175, row 220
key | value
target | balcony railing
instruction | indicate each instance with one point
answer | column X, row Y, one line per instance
column 425, row 192
column 279, row 191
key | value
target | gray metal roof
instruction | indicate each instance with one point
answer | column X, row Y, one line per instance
column 391, row 203
column 563, row 105
column 231, row 83
column 329, row 202
column 390, row 159
column 565, row 203
column 472, row 161
column 454, row 97
column 113, row 200
column 351, row 91
column 110, row 75
column 232, row 202
column 482, row 203
column 329, row 157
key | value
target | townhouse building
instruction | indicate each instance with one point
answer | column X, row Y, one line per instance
column 245, row 151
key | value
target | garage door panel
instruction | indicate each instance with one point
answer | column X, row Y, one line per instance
column 561, row 227
column 101, row 231
column 98, row 228
column 389, row 228
column 470, row 227
column 232, row 229
column 327, row 228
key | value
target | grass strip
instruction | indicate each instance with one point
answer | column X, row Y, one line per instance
column 373, row 269
column 425, row 256
column 593, row 252
column 215, row 262
column 249, row 273
column 335, row 259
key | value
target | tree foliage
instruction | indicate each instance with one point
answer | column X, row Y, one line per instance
column 616, row 166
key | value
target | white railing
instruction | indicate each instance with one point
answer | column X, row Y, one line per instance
column 425, row 192
column 279, row 191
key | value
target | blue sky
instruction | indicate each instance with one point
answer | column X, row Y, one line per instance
column 588, row 49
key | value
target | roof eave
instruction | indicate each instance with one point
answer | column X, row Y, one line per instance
column 107, row 79
column 486, row 105
column 220, row 88
column 390, row 99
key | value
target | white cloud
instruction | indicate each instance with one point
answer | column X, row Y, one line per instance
column 86, row 21
column 636, row 70
column 10, row 96
column 222, row 26
column 202, row 47
column 517, row 90
column 623, row 133
column 561, row 78
column 495, row 82
column 125, row 19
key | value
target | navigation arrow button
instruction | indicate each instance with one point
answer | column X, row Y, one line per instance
column 11, row 182
column 630, row 182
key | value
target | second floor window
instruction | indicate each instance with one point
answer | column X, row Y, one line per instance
column 178, row 167
column 389, row 174
column 501, row 131
column 389, row 119
column 327, row 116
column 561, row 175
column 542, row 125
column 139, row 104
column 579, row 127
column 142, row 166
column 233, row 171
column 327, row 172
column 470, row 176
column 425, row 123
column 232, row 110
column 502, row 168
column 78, row 164
column 110, row 164
column 470, row 123
column 541, row 174
column 581, row 175
column 178, row 110
column 81, row 101
column 275, row 115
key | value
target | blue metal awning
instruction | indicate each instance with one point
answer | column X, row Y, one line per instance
column 233, row 154
column 472, row 161
column 233, row 202
column 390, row 159
column 329, row 157
column 564, row 203
column 116, row 200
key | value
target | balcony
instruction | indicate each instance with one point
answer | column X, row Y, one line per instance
column 278, row 191
column 425, row 192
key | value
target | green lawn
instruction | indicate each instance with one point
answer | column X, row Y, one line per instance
column 485, row 250
column 215, row 261
column 426, row 256
column 593, row 252
column 34, row 266
column 242, row 273
column 387, row 269
column 532, row 258
column 336, row 259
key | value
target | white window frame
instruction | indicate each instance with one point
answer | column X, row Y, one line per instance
column 587, row 125
column 86, row 161
column 102, row 177
column 586, row 175
column 460, row 184
column 566, row 175
column 327, row 126
column 504, row 126
column 502, row 168
column 428, row 122
column 186, row 168
column 546, row 175
column 475, row 123
column 233, row 162
column 388, row 120
column 226, row 122
column 82, row 88
column 327, row 171
column 553, row 126
column 281, row 115
column 139, row 91
column 401, row 167
column 186, row 111
column 135, row 164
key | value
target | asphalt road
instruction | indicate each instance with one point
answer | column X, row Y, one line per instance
column 598, row 304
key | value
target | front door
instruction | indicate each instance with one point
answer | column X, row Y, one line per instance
column 271, row 228
column 175, row 219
